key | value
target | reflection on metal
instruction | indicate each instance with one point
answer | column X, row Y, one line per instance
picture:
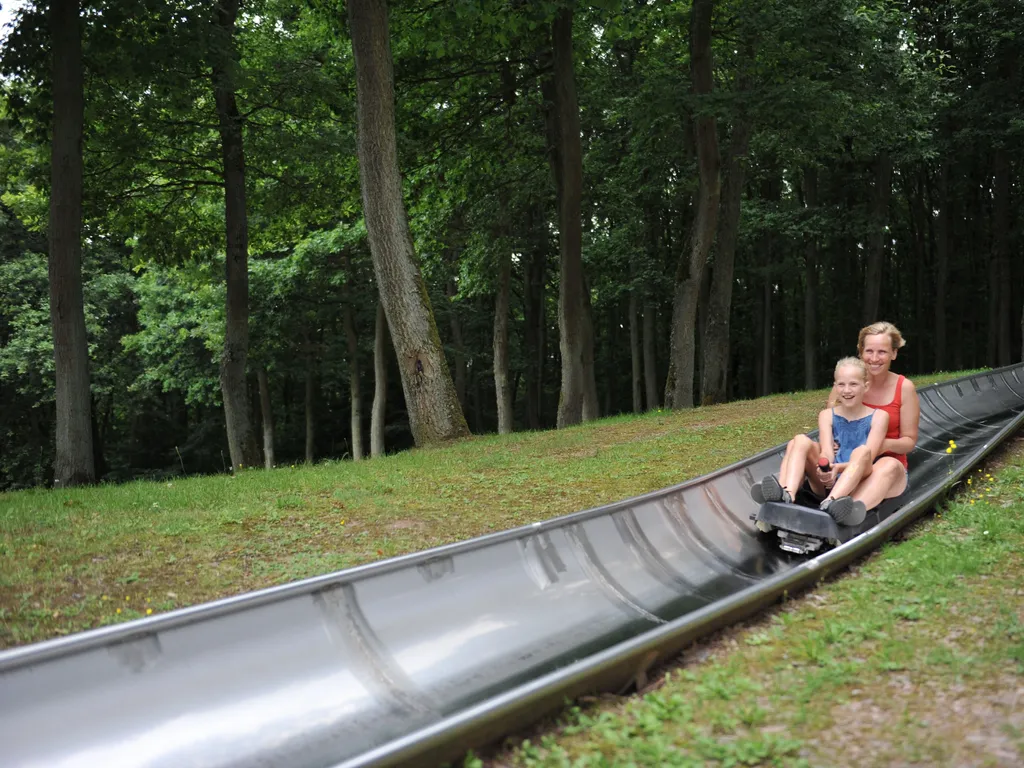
column 603, row 578
column 375, row 668
column 412, row 660
column 636, row 540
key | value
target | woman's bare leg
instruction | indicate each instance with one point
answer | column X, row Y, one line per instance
column 887, row 479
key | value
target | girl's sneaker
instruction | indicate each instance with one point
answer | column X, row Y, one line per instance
column 770, row 489
column 845, row 510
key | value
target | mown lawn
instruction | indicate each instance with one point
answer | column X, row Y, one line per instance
column 81, row 558
column 913, row 657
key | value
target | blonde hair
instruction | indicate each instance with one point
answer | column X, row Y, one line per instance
column 876, row 329
column 852, row 362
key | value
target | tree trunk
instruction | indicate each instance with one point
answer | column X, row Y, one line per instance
column 568, row 165
column 380, row 382
column 679, row 386
column 766, row 326
column 535, row 319
column 458, row 346
column 879, row 235
column 591, row 410
column 434, row 411
column 635, row 353
column 268, row 418
column 310, row 413
column 1001, row 252
column 715, row 379
column 74, row 463
column 941, row 266
column 241, row 436
column 502, row 390
column 352, row 342
column 504, row 394
column 811, row 330
column 771, row 192
column 914, row 187
column 650, row 359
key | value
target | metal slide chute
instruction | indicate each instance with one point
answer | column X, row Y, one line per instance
column 414, row 659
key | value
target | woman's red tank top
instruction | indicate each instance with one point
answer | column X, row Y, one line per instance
column 893, row 409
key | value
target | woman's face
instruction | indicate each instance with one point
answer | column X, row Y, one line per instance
column 878, row 353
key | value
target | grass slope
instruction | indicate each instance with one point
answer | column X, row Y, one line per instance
column 81, row 558
column 914, row 657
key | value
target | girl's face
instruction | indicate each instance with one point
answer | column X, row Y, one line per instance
column 850, row 385
column 878, row 353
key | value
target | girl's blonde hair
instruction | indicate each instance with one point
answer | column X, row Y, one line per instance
column 852, row 362
column 878, row 328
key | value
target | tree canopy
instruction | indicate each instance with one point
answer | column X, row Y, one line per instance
column 868, row 159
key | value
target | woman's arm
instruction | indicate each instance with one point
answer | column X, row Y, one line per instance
column 876, row 437
column 910, row 415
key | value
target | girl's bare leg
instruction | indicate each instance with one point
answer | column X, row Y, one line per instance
column 858, row 467
column 801, row 454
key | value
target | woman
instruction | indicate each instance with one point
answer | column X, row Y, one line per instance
column 877, row 345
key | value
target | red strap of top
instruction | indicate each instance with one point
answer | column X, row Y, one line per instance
column 898, row 400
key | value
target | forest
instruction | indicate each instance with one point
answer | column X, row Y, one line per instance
column 252, row 233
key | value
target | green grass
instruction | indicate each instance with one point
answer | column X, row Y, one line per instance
column 914, row 657
column 81, row 558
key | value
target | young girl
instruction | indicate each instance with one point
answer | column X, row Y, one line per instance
column 850, row 436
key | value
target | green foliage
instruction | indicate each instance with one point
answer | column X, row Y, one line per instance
column 827, row 86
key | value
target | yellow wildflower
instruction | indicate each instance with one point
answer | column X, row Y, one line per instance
column 969, row 481
column 949, row 450
column 149, row 611
column 118, row 610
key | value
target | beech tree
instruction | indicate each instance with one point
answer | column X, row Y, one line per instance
column 577, row 401
column 679, row 386
column 241, row 436
column 74, row 456
column 434, row 411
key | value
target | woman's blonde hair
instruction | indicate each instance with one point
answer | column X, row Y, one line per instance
column 852, row 362
column 878, row 328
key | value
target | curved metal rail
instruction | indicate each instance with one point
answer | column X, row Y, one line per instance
column 414, row 659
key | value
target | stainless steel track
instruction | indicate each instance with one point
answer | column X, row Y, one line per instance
column 413, row 659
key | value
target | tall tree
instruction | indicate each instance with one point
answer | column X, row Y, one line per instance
column 434, row 411
column 502, row 389
column 352, row 343
column 715, row 345
column 234, row 390
column 575, row 333
column 879, row 234
column 267, row 414
column 380, row 382
column 679, row 387
column 810, row 327
column 74, row 463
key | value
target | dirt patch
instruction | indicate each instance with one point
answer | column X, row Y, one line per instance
column 968, row 725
